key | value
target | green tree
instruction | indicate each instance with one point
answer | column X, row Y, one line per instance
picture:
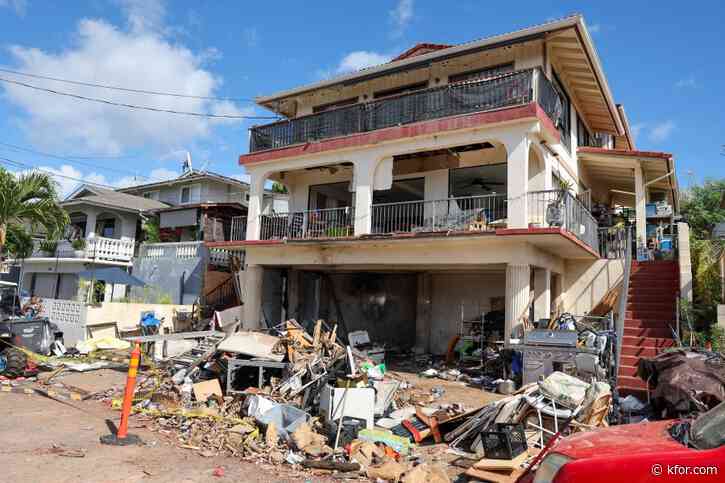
column 29, row 201
column 700, row 206
column 279, row 188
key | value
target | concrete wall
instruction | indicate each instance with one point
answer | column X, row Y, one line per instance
column 454, row 294
column 181, row 278
column 382, row 304
column 586, row 282
column 127, row 316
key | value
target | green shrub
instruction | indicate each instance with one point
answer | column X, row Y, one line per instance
column 48, row 246
column 78, row 244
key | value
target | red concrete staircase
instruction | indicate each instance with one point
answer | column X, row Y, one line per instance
column 650, row 312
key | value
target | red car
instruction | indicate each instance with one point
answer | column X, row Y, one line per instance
column 640, row 452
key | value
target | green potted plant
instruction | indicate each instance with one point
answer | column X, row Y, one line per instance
column 48, row 247
column 79, row 247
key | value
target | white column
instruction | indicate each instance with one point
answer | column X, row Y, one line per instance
column 364, row 179
column 252, row 296
column 256, row 193
column 517, row 299
column 640, row 206
column 542, row 293
column 683, row 249
column 91, row 223
column 517, row 171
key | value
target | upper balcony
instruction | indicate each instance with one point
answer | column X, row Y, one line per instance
column 513, row 89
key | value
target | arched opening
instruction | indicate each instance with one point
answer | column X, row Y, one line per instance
column 76, row 229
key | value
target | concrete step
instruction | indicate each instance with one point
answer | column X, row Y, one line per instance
column 627, row 371
column 640, row 351
column 663, row 332
column 648, row 323
column 647, row 290
column 663, row 282
column 636, row 303
column 656, row 342
column 630, row 361
column 655, row 264
column 662, row 315
column 630, row 382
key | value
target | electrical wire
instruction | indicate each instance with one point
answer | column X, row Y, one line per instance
column 126, row 89
column 71, row 160
column 18, row 164
column 134, row 106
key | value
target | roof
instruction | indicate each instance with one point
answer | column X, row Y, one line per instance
column 574, row 42
column 191, row 175
column 420, row 49
column 94, row 195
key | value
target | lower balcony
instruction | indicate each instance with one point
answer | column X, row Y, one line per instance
column 552, row 209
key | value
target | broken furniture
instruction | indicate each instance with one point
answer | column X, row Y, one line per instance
column 264, row 368
column 360, row 341
column 337, row 402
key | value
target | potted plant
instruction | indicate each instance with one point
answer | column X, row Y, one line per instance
column 79, row 247
column 555, row 209
column 48, row 247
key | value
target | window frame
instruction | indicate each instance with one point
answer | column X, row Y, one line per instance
column 191, row 188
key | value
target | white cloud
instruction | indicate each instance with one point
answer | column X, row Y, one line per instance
column 20, row 6
column 138, row 56
column 401, row 16
column 360, row 59
column 661, row 131
column 595, row 28
column 144, row 15
column 687, row 82
column 637, row 129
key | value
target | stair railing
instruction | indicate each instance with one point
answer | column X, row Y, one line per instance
column 623, row 297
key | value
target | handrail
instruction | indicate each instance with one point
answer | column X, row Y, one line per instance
column 624, row 295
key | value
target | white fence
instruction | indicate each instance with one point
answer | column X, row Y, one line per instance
column 170, row 250
column 96, row 248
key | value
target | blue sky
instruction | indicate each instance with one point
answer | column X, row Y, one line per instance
column 663, row 63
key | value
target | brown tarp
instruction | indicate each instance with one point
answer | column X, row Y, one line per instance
column 685, row 380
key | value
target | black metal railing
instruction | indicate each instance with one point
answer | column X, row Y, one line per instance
column 308, row 224
column 507, row 90
column 599, row 140
column 470, row 213
column 558, row 208
column 613, row 242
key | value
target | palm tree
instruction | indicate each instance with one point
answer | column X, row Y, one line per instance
column 29, row 200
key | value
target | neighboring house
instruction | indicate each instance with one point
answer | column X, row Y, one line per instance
column 107, row 224
column 203, row 206
column 195, row 208
column 453, row 181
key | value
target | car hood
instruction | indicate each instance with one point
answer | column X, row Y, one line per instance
column 618, row 440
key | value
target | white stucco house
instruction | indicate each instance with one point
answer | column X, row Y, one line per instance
column 422, row 190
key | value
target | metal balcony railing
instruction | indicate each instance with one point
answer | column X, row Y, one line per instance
column 507, row 90
column 472, row 213
column 239, row 228
column 612, row 242
column 558, row 208
column 308, row 224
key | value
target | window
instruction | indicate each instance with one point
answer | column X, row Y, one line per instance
column 400, row 90
column 480, row 74
column 564, row 123
column 583, row 138
column 334, row 105
column 151, row 195
column 190, row 194
column 246, row 197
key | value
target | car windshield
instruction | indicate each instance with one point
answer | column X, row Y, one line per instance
column 708, row 430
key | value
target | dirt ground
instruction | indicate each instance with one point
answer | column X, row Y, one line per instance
column 35, row 430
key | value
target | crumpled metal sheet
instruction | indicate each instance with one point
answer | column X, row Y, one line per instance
column 686, row 380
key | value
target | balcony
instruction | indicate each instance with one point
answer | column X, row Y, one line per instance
column 308, row 224
column 96, row 248
column 561, row 209
column 472, row 213
column 507, row 90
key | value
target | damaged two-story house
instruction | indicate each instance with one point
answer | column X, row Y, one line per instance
column 495, row 178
